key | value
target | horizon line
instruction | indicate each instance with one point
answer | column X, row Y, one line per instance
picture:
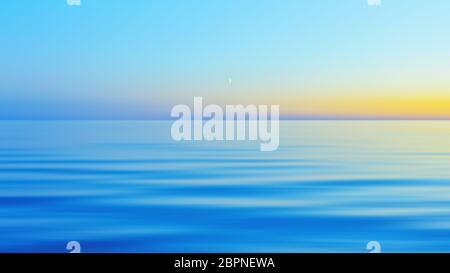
column 281, row 119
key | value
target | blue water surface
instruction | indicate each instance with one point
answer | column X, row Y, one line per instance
column 126, row 186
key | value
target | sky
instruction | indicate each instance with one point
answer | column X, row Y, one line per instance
column 136, row 59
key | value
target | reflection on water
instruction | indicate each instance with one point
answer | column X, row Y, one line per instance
column 118, row 186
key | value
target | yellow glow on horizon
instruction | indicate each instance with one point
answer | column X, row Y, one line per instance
column 402, row 107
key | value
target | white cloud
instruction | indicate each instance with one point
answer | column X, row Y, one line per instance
column 73, row 2
column 374, row 2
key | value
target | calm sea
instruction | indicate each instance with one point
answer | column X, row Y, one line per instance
column 125, row 186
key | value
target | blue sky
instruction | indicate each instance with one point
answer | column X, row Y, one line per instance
column 135, row 59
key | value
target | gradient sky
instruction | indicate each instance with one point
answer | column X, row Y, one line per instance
column 135, row 59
